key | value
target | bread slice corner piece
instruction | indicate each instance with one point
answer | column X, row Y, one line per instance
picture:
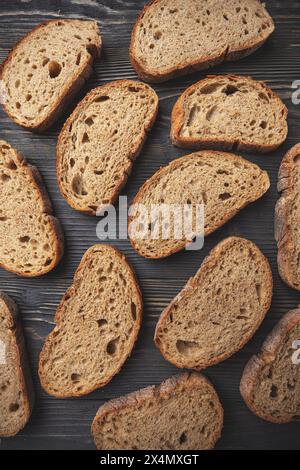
column 182, row 413
column 219, row 309
column 229, row 112
column 177, row 37
column 45, row 70
column 96, row 325
column 100, row 141
column 16, row 389
column 31, row 238
column 271, row 380
column 287, row 216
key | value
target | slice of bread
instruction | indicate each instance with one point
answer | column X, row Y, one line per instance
column 31, row 239
column 287, row 218
column 100, row 140
column 46, row 69
column 224, row 183
column 270, row 383
column 183, row 413
column 219, row 309
column 226, row 112
column 97, row 323
column 176, row 37
column 16, row 389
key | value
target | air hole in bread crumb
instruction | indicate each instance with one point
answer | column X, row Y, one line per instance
column 151, row 46
column 92, row 49
column 225, row 17
column 133, row 311
column 28, row 97
column 89, row 121
column 274, row 391
column 5, row 177
column 173, row 10
column 47, row 262
column 72, row 162
column 78, row 58
column 11, row 165
column 263, row 124
column 186, row 347
column 85, row 138
column 17, row 83
column 75, row 377
column 157, row 35
column 45, row 61
column 230, row 90
column 112, row 346
column 102, row 322
column 18, row 105
column 100, row 99
column 224, row 196
column 13, row 407
column 54, row 69
column 77, row 186
column 182, row 438
column 24, row 239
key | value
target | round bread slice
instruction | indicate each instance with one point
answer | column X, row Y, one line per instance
column 100, row 140
column 270, row 384
column 229, row 112
column 97, row 323
column 183, row 413
column 219, row 309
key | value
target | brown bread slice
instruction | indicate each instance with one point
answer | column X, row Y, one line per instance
column 31, row 239
column 229, row 111
column 219, row 309
column 270, row 383
column 183, row 413
column 46, row 69
column 176, row 37
column 223, row 182
column 16, row 389
column 287, row 218
column 100, row 141
column 97, row 323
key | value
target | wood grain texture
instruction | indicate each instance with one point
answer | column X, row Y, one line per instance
column 65, row 424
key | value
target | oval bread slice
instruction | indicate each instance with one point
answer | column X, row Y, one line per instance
column 224, row 183
column 183, row 413
column 46, row 69
column 100, row 140
column 97, row 323
column 176, row 37
column 31, row 239
column 226, row 112
column 270, row 383
column 219, row 309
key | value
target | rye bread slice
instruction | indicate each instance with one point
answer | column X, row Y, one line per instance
column 97, row 323
column 229, row 111
column 224, row 183
column 31, row 239
column 16, row 389
column 45, row 70
column 219, row 309
column 100, row 140
column 287, row 218
column 270, row 383
column 176, row 37
column 183, row 413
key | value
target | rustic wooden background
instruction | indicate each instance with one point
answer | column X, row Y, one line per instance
column 65, row 424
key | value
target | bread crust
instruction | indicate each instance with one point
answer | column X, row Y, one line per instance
column 177, row 121
column 267, row 354
column 202, row 63
column 72, row 291
column 164, row 390
column 208, row 262
column 135, row 151
column 283, row 232
column 22, row 365
column 77, row 83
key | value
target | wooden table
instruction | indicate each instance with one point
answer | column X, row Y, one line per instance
column 65, row 424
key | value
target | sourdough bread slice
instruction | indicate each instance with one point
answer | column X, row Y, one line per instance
column 31, row 239
column 176, row 37
column 228, row 112
column 287, row 218
column 224, row 183
column 183, row 413
column 16, row 389
column 100, row 140
column 219, row 309
column 97, row 323
column 270, row 383
column 45, row 70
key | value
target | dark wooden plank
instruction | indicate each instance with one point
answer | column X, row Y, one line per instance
column 65, row 423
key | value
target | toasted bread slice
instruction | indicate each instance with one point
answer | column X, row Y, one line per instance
column 224, row 183
column 183, row 413
column 31, row 239
column 176, row 37
column 229, row 111
column 100, row 140
column 16, row 389
column 219, row 309
column 46, row 69
column 97, row 323
column 270, row 384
